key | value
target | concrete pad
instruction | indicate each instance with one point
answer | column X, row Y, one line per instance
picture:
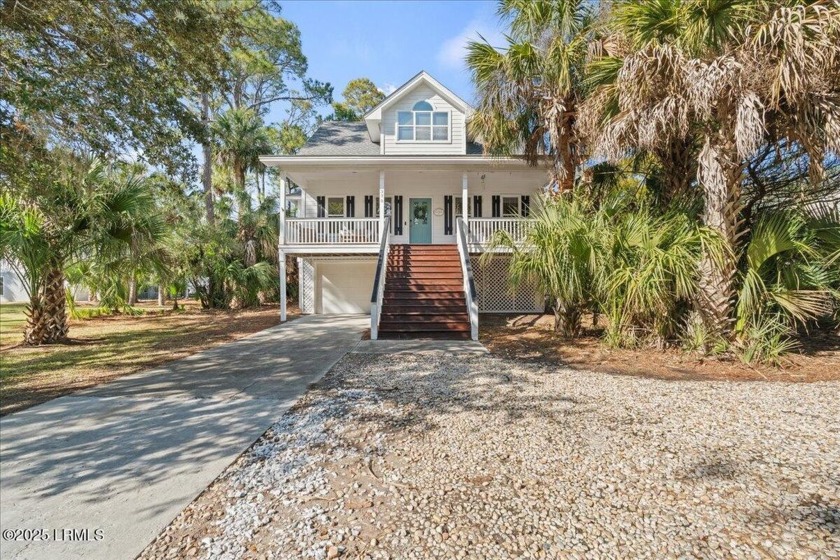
column 128, row 456
column 419, row 345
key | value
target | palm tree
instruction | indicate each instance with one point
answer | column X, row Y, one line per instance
column 559, row 255
column 82, row 212
column 528, row 92
column 242, row 137
column 739, row 76
column 648, row 269
column 789, row 267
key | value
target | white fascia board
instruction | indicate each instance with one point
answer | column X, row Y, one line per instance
column 299, row 162
column 331, row 249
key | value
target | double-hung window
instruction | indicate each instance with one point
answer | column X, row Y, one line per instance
column 422, row 124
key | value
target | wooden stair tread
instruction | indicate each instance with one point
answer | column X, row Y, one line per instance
column 424, row 293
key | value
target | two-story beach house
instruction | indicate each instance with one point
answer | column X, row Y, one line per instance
column 390, row 215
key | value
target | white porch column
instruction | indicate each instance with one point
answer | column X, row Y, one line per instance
column 284, row 182
column 381, row 202
column 465, row 200
column 282, row 266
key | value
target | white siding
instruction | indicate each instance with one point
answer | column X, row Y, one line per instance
column 12, row 288
column 423, row 183
column 423, row 93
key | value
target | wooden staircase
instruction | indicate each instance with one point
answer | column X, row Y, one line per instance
column 424, row 294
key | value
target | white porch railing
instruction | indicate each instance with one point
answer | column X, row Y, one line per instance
column 469, row 282
column 482, row 230
column 379, row 280
column 332, row 231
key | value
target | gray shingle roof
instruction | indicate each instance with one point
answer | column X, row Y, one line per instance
column 335, row 138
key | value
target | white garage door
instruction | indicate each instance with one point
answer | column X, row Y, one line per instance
column 344, row 287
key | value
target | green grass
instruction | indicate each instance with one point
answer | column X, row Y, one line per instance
column 12, row 321
column 102, row 348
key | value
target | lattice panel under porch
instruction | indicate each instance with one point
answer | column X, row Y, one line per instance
column 495, row 294
column 306, row 288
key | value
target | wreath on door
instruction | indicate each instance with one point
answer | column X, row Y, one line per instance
column 420, row 212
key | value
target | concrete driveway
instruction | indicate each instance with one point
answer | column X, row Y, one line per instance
column 99, row 473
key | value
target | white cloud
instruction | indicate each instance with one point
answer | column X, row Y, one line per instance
column 453, row 51
column 388, row 88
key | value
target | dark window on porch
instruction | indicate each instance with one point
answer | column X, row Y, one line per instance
column 510, row 206
column 335, row 207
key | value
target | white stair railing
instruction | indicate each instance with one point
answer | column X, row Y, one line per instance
column 332, row 231
column 469, row 281
column 379, row 280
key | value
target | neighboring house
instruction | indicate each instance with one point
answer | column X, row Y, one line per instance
column 12, row 288
column 412, row 156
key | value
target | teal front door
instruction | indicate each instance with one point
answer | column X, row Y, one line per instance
column 420, row 220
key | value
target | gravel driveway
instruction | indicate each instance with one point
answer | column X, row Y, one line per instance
column 434, row 456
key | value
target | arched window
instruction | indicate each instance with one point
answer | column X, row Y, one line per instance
column 422, row 124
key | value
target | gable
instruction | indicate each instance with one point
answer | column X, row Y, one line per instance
column 374, row 117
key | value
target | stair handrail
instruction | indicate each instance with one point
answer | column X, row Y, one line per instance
column 379, row 279
column 469, row 281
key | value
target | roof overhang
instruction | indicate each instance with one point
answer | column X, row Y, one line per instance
column 290, row 163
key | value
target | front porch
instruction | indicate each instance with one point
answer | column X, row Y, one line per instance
column 341, row 216
column 363, row 235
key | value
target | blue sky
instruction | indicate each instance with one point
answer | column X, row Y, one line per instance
column 390, row 41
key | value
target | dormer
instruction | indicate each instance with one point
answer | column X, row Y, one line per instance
column 422, row 117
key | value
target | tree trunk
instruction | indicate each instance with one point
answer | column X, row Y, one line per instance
column 207, row 172
column 160, row 295
column 719, row 174
column 567, row 319
column 132, row 291
column 207, row 185
column 565, row 170
column 677, row 162
column 240, row 176
column 47, row 314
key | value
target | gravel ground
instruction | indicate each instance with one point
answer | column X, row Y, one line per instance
column 434, row 456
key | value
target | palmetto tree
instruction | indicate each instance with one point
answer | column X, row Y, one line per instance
column 84, row 211
column 559, row 254
column 241, row 137
column 528, row 92
column 789, row 267
column 735, row 74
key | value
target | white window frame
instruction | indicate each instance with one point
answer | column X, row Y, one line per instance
column 343, row 207
column 502, row 205
column 414, row 125
column 459, row 199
